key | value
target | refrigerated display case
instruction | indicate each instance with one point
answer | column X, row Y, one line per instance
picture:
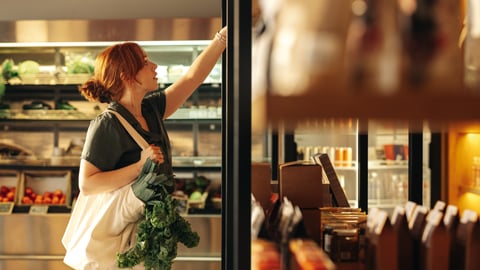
column 338, row 139
column 463, row 174
column 309, row 90
column 387, row 180
column 49, row 132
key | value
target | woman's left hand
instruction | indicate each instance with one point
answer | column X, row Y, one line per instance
column 154, row 153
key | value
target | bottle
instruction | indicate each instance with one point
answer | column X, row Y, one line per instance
column 373, row 47
column 476, row 172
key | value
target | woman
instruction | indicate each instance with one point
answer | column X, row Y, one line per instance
column 126, row 79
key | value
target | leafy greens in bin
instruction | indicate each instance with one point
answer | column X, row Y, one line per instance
column 159, row 232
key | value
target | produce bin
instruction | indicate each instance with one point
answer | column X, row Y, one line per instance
column 48, row 187
column 9, row 181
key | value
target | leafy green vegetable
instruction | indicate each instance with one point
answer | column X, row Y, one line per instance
column 202, row 182
column 8, row 69
column 79, row 64
column 159, row 233
column 28, row 67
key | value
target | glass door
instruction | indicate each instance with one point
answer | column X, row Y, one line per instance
column 388, row 165
column 339, row 140
column 388, row 159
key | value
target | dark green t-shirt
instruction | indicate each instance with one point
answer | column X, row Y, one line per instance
column 108, row 145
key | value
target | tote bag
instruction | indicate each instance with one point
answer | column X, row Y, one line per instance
column 103, row 224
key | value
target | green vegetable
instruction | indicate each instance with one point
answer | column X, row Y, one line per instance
column 28, row 67
column 159, row 232
column 196, row 195
column 61, row 104
column 202, row 182
column 8, row 71
column 2, row 90
column 80, row 65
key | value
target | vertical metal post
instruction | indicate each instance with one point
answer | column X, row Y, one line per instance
column 415, row 167
column 196, row 135
column 275, row 161
column 362, row 166
column 237, row 132
column 435, row 158
column 56, row 135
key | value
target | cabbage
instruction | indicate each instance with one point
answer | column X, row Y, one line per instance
column 28, row 67
column 80, row 65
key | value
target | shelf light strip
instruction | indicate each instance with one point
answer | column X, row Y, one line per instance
column 31, row 257
column 103, row 44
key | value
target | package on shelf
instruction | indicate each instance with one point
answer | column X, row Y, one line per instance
column 198, row 202
column 265, row 255
column 45, row 187
column 306, row 254
column 342, row 231
column 184, row 202
column 192, row 192
column 9, row 181
column 302, row 254
column 351, row 217
column 301, row 182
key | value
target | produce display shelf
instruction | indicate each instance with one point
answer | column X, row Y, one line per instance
column 52, row 209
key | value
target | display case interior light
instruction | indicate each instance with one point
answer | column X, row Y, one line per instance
column 470, row 201
column 160, row 43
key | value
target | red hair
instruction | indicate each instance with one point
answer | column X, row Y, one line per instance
column 114, row 65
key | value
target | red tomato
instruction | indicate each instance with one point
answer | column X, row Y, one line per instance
column 27, row 200
column 28, row 191
column 10, row 196
column 4, row 190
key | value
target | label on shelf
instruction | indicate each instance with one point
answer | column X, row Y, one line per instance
column 6, row 208
column 38, row 210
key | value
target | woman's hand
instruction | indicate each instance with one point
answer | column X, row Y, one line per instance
column 154, row 153
column 222, row 35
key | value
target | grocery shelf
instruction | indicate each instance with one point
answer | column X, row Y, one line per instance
column 72, row 163
column 52, row 209
column 438, row 108
column 470, row 189
column 18, row 92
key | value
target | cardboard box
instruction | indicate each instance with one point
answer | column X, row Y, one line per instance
column 301, row 183
column 260, row 183
column 312, row 221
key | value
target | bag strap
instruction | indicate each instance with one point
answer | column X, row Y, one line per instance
column 135, row 135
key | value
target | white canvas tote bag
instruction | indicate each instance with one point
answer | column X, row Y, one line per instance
column 103, row 224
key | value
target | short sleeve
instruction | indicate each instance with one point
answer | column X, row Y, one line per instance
column 107, row 145
column 156, row 101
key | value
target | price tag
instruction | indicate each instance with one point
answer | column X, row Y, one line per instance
column 381, row 219
column 450, row 213
column 371, row 218
column 38, row 209
column 434, row 218
column 398, row 212
column 440, row 205
column 409, row 208
column 469, row 216
column 418, row 212
column 6, row 208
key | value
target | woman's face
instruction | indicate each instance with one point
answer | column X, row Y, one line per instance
column 147, row 76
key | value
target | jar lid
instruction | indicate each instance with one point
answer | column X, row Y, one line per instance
column 345, row 232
